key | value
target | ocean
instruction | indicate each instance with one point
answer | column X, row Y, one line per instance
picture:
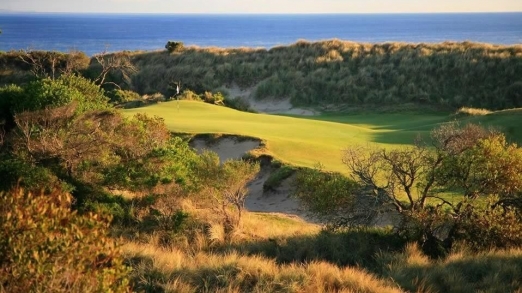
column 94, row 33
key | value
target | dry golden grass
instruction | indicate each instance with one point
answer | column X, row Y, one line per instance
column 266, row 226
column 473, row 111
column 253, row 225
column 264, row 255
column 461, row 271
column 206, row 262
column 176, row 271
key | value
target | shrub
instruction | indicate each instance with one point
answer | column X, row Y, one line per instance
column 277, row 177
column 465, row 111
column 119, row 96
column 327, row 195
column 46, row 247
column 92, row 96
column 42, row 94
column 53, row 93
column 492, row 227
column 238, row 104
column 172, row 46
column 15, row 171
column 189, row 95
column 216, row 99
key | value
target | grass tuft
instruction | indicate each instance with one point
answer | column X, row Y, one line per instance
column 465, row 111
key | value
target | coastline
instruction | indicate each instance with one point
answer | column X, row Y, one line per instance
column 94, row 32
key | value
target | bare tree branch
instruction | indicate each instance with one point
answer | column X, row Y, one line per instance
column 117, row 62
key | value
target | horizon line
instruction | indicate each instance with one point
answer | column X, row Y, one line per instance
column 6, row 11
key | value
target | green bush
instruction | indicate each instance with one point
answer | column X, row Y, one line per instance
column 53, row 93
column 92, row 96
column 14, row 171
column 328, row 195
column 42, row 94
column 277, row 177
column 172, row 46
column 490, row 227
column 119, row 96
column 238, row 104
column 189, row 95
column 46, row 247
column 216, row 99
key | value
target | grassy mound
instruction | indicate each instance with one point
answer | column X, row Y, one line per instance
column 318, row 139
column 450, row 75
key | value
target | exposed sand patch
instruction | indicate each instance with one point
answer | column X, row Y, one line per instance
column 269, row 106
column 257, row 200
column 227, row 148
column 280, row 201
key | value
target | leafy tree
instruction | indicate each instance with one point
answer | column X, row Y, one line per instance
column 46, row 247
column 172, row 46
column 123, row 96
column 226, row 184
column 328, row 195
column 72, row 131
column 469, row 162
column 42, row 94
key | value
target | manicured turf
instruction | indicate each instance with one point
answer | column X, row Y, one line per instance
column 304, row 141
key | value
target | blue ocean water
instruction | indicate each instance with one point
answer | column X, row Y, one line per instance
column 93, row 33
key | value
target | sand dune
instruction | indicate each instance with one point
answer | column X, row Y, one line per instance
column 278, row 201
column 269, row 106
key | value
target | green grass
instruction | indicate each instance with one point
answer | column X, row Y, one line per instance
column 306, row 141
column 508, row 121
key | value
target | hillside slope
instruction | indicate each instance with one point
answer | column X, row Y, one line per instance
column 448, row 75
column 327, row 74
column 306, row 141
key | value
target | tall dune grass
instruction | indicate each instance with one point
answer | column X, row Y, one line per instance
column 449, row 75
column 248, row 265
column 175, row 271
column 490, row 271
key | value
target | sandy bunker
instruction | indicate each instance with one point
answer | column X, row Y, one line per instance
column 269, row 106
column 278, row 201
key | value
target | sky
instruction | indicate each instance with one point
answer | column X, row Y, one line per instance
column 262, row 6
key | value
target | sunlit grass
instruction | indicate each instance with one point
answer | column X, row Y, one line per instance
column 307, row 141
column 298, row 141
column 176, row 271
column 489, row 271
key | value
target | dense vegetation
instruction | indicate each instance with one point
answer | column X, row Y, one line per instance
column 61, row 136
column 305, row 141
column 93, row 199
column 437, row 190
column 47, row 247
column 448, row 75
